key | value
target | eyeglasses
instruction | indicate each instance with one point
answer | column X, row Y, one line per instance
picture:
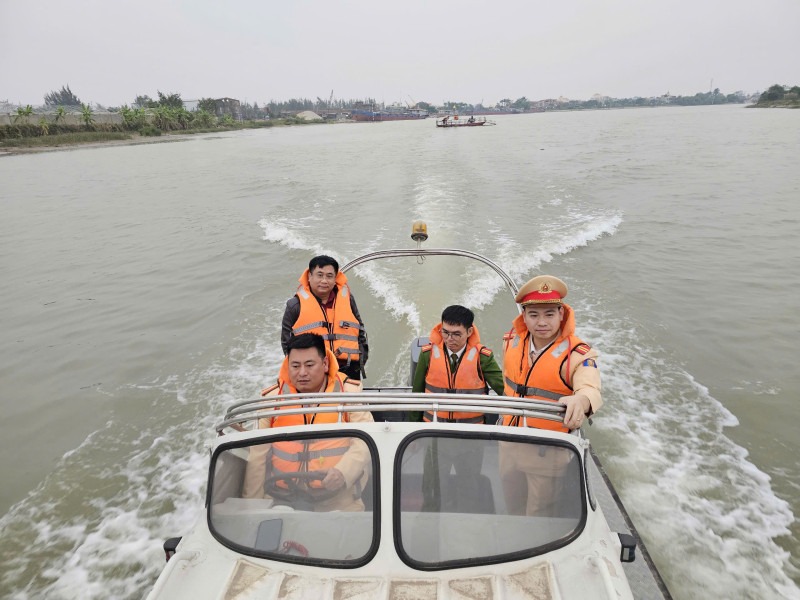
column 456, row 335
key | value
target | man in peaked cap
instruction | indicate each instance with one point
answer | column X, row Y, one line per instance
column 545, row 360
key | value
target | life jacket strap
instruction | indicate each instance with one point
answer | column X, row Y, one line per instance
column 307, row 455
column 343, row 336
column 354, row 324
column 429, row 416
column 438, row 390
column 524, row 390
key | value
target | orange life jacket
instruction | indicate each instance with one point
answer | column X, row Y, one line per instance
column 542, row 380
column 466, row 380
column 307, row 455
column 339, row 327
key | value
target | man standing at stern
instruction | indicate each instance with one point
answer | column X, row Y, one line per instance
column 324, row 305
column 545, row 360
column 456, row 362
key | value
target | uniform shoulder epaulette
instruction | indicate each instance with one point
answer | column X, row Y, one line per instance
column 427, row 348
column 266, row 391
column 508, row 336
column 485, row 351
column 582, row 348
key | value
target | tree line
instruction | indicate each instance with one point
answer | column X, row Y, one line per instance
column 779, row 95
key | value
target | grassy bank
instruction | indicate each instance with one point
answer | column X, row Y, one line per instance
column 784, row 103
column 65, row 139
column 33, row 136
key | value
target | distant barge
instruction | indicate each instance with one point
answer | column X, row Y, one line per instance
column 413, row 114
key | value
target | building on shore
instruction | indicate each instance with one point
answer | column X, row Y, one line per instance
column 229, row 106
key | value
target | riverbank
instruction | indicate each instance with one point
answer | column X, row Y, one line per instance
column 776, row 104
column 93, row 139
column 130, row 140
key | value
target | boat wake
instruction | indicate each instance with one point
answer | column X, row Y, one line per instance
column 133, row 488
column 691, row 491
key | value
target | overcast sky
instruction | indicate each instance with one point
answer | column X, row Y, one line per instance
column 109, row 52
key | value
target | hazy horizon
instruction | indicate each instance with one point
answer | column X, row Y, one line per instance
column 415, row 51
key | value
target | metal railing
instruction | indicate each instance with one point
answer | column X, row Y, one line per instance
column 420, row 252
column 248, row 411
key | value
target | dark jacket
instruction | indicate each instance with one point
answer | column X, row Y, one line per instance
column 356, row 368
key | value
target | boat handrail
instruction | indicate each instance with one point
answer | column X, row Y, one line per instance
column 422, row 252
column 287, row 404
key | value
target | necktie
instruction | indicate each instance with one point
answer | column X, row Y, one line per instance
column 453, row 363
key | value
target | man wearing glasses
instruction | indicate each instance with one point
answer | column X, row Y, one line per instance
column 455, row 362
column 324, row 305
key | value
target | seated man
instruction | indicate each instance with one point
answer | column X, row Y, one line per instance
column 323, row 304
column 310, row 367
column 545, row 360
column 454, row 362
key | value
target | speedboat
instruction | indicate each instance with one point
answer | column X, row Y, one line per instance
column 421, row 529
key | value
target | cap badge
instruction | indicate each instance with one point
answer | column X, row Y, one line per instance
column 544, row 288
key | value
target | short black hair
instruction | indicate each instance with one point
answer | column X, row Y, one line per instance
column 306, row 340
column 323, row 261
column 458, row 315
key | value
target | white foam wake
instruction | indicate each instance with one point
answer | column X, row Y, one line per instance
column 135, row 488
column 708, row 512
column 522, row 257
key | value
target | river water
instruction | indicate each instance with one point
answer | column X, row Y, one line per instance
column 143, row 288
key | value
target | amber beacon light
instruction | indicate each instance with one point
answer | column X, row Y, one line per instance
column 419, row 232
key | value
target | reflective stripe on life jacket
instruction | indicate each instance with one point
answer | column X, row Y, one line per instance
column 338, row 326
column 466, row 380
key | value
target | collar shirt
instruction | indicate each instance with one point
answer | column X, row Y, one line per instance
column 534, row 352
column 458, row 354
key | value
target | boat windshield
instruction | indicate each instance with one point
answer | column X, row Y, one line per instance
column 474, row 499
column 297, row 498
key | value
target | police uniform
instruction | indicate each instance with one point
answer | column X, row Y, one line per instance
column 566, row 366
column 472, row 370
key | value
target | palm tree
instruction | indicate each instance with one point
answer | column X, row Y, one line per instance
column 204, row 118
column 24, row 112
column 60, row 114
column 86, row 114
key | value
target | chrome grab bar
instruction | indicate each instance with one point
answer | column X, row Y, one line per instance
column 254, row 409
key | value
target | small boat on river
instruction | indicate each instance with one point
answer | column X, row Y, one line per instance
column 423, row 533
column 472, row 121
